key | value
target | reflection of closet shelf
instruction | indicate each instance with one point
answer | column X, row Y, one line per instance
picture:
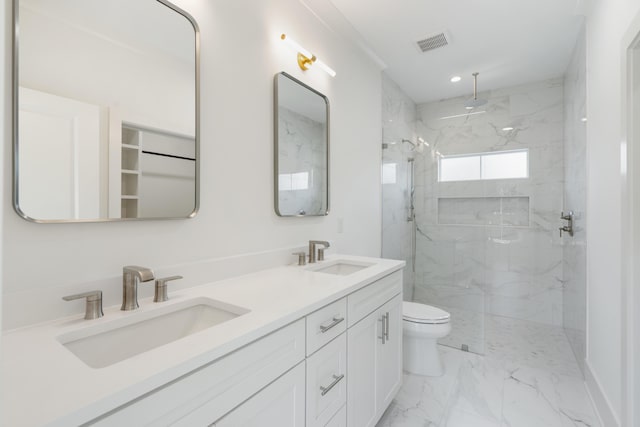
column 130, row 171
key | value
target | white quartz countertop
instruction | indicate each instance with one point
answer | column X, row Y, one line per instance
column 44, row 384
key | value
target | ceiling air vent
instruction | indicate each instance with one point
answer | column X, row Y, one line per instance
column 433, row 42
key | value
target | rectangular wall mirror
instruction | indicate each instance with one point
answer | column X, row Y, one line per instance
column 105, row 110
column 301, row 149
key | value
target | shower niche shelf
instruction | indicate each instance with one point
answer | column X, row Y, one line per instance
column 512, row 211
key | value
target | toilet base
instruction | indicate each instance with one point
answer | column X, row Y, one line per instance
column 421, row 356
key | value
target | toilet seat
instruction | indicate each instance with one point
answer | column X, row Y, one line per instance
column 425, row 314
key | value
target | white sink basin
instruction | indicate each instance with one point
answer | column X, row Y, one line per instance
column 111, row 342
column 341, row 267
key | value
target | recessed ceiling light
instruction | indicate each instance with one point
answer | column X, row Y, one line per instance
column 584, row 119
column 469, row 108
column 507, row 129
column 455, row 79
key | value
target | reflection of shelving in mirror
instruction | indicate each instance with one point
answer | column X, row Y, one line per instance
column 130, row 171
column 157, row 173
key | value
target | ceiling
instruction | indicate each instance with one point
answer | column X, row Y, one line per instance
column 508, row 42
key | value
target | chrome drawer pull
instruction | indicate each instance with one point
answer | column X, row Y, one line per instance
column 386, row 326
column 336, row 380
column 336, row 320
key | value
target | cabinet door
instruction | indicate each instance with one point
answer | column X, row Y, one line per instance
column 363, row 339
column 280, row 404
column 389, row 369
column 326, row 382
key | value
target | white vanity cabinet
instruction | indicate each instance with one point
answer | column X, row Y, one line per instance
column 214, row 390
column 374, row 343
column 339, row 365
column 280, row 404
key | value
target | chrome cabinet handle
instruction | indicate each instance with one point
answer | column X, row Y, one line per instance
column 336, row 320
column 386, row 326
column 383, row 319
column 336, row 380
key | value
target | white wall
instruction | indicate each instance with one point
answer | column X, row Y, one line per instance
column 606, row 24
column 241, row 52
column 153, row 90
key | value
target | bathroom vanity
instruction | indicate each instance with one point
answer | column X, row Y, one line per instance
column 315, row 345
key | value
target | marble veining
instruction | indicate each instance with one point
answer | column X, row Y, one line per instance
column 531, row 382
column 493, row 245
column 302, row 154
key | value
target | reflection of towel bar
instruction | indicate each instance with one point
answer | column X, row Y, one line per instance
column 168, row 155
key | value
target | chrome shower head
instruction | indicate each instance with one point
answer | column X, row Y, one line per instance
column 475, row 102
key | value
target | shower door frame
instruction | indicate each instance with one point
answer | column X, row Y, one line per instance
column 630, row 150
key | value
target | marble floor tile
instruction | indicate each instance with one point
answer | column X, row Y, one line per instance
column 462, row 419
column 424, row 399
column 519, row 342
column 479, row 388
column 535, row 397
column 528, row 377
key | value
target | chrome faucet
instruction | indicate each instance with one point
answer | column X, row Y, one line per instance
column 131, row 275
column 312, row 250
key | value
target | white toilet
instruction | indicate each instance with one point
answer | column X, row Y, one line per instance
column 422, row 325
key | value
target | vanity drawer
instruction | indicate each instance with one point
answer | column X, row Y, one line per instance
column 325, row 324
column 369, row 298
column 208, row 393
column 326, row 382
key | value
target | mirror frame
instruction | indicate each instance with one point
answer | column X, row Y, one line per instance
column 276, row 152
column 15, row 117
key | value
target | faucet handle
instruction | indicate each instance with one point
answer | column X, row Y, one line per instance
column 302, row 257
column 161, row 288
column 321, row 253
column 93, row 309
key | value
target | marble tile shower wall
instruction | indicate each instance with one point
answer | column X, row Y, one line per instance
column 301, row 151
column 574, row 248
column 398, row 123
column 493, row 246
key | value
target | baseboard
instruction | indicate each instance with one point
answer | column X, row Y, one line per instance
column 600, row 402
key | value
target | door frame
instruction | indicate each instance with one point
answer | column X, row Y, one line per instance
column 630, row 182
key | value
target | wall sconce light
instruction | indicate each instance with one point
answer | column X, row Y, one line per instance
column 305, row 58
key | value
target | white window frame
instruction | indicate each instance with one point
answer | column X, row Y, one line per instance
column 479, row 156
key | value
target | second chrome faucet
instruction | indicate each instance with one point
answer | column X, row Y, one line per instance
column 312, row 250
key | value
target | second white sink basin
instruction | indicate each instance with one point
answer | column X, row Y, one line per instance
column 341, row 267
column 112, row 342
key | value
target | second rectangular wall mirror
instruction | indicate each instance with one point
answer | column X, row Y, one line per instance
column 301, row 149
column 105, row 110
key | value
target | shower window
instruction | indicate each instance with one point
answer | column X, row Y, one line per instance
column 481, row 166
column 294, row 181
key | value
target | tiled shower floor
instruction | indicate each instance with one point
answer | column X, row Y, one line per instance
column 528, row 377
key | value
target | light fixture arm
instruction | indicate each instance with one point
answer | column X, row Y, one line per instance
column 305, row 58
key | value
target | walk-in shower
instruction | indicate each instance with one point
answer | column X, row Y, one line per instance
column 480, row 238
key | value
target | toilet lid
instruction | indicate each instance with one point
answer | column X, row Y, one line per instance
column 422, row 313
